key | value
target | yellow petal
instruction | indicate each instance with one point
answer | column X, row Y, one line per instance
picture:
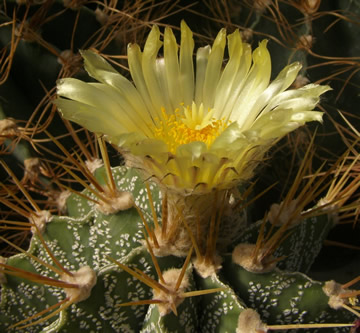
column 186, row 64
column 172, row 69
column 213, row 69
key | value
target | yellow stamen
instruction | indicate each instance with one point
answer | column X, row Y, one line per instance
column 187, row 126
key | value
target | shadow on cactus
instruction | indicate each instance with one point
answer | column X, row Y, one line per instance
column 193, row 136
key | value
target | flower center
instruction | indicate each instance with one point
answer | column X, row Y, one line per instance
column 188, row 125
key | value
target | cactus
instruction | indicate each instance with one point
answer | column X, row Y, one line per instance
column 111, row 244
column 146, row 247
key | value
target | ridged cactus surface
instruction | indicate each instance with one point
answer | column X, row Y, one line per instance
column 89, row 238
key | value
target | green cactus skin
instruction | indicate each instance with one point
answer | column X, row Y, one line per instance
column 87, row 237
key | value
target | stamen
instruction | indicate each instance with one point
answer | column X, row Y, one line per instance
column 188, row 126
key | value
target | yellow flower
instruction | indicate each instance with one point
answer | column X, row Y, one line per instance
column 193, row 132
column 198, row 134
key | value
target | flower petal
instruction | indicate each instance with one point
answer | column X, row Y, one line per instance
column 186, row 64
column 285, row 78
column 202, row 57
column 148, row 65
column 88, row 116
column 256, row 82
column 304, row 98
column 213, row 69
column 135, row 60
column 226, row 82
column 238, row 84
column 102, row 71
column 279, row 122
column 172, row 69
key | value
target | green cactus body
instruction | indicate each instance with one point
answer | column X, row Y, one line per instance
column 87, row 237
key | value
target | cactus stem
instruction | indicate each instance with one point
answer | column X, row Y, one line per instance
column 169, row 292
column 50, row 308
column 54, row 269
column 51, row 255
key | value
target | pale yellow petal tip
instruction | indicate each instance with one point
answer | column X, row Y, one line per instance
column 296, row 66
column 263, row 44
column 185, row 28
column 63, row 86
column 169, row 37
column 153, row 41
column 235, row 35
column 220, row 39
column 326, row 88
column 92, row 58
column 261, row 54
